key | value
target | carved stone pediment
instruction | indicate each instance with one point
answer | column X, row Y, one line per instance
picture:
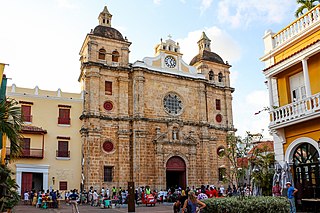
column 168, row 138
column 190, row 140
column 160, row 138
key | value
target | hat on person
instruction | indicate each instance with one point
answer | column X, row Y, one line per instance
column 288, row 183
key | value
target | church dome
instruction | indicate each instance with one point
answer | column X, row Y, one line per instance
column 107, row 32
column 207, row 56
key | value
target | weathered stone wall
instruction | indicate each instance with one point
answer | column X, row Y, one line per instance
column 138, row 118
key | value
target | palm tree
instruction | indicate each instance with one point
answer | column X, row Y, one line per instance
column 305, row 5
column 10, row 125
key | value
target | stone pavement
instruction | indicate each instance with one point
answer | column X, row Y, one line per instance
column 159, row 208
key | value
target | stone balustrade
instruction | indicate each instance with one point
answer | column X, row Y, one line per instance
column 294, row 111
column 297, row 27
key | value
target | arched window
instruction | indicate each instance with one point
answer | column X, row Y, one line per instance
column 115, row 56
column 211, row 75
column 102, row 54
column 220, row 76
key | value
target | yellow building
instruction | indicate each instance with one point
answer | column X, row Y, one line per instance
column 51, row 154
column 292, row 60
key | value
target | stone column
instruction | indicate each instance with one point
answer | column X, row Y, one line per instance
column 271, row 104
column 123, row 87
column 92, row 157
column 93, row 90
column 123, row 153
column 45, row 181
column 138, row 94
column 19, row 181
column 306, row 76
column 202, row 103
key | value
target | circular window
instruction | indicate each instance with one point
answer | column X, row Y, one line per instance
column 219, row 118
column 172, row 104
column 221, row 151
column 108, row 105
column 108, row 146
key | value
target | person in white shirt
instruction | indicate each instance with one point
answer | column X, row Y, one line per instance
column 95, row 198
column 26, row 197
column 221, row 189
column 108, row 193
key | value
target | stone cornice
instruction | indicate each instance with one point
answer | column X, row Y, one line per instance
column 157, row 120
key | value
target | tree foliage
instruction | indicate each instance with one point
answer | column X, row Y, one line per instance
column 236, row 148
column 10, row 125
column 247, row 204
column 262, row 160
column 305, row 5
column 9, row 196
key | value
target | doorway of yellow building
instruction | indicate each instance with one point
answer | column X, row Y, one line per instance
column 306, row 169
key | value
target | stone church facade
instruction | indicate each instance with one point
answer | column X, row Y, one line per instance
column 159, row 121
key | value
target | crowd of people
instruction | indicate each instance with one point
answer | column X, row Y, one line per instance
column 115, row 196
column 42, row 199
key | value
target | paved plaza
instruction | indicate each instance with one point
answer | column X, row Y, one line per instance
column 159, row 208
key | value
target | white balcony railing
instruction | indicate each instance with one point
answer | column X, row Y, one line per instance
column 296, row 110
column 298, row 26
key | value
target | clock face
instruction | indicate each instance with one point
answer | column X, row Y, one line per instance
column 170, row 61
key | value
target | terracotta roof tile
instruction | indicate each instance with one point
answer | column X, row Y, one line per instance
column 33, row 129
column 268, row 145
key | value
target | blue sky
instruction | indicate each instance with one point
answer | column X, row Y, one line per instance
column 41, row 40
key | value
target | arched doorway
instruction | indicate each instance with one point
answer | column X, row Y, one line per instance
column 306, row 171
column 176, row 172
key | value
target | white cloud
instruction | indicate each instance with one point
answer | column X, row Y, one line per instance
column 244, row 113
column 157, row 1
column 66, row 4
column 241, row 13
column 221, row 43
column 233, row 77
column 205, row 4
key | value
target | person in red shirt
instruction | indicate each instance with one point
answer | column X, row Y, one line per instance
column 209, row 193
column 214, row 192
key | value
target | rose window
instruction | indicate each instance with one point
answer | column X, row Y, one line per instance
column 172, row 104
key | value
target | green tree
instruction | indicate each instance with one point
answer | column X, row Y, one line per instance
column 237, row 148
column 10, row 125
column 262, row 161
column 305, row 5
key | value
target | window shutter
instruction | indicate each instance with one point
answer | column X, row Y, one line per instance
column 63, row 185
column 26, row 113
column 64, row 116
column 63, row 145
column 63, row 150
column 108, row 87
column 26, row 143
column 218, row 104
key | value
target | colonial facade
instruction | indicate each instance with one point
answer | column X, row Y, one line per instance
column 158, row 121
column 51, row 148
column 292, row 60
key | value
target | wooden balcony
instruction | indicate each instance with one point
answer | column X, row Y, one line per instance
column 62, row 154
column 29, row 153
column 307, row 108
column 299, row 26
